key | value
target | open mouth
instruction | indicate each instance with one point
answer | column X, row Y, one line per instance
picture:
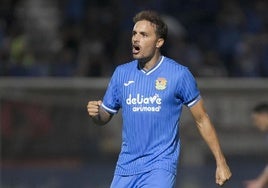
column 135, row 49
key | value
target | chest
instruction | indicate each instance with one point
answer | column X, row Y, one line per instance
column 148, row 89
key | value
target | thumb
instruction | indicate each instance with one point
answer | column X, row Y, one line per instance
column 99, row 102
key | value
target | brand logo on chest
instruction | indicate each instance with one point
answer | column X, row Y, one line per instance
column 145, row 104
column 161, row 83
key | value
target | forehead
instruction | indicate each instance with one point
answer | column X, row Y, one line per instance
column 144, row 26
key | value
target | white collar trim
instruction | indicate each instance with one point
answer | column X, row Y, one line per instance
column 156, row 67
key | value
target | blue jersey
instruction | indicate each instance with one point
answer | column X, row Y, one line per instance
column 151, row 103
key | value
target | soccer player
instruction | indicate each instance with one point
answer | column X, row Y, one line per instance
column 260, row 120
column 151, row 91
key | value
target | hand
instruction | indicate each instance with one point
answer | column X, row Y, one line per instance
column 223, row 174
column 93, row 108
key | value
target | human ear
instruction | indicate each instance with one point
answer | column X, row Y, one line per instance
column 160, row 42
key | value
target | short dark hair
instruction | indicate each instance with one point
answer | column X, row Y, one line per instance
column 153, row 17
column 261, row 108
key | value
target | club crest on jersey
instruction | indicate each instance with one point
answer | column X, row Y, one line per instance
column 161, row 83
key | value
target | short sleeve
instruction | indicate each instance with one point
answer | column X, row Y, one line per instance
column 188, row 91
column 111, row 99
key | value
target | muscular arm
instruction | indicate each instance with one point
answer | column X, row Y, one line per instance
column 98, row 114
column 208, row 133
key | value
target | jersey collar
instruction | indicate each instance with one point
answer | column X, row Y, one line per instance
column 154, row 68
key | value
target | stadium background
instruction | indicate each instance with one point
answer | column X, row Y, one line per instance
column 56, row 55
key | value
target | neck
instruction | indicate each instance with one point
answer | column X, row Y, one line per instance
column 148, row 64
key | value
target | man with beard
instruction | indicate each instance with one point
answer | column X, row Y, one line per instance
column 151, row 91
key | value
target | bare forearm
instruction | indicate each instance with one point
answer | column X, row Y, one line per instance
column 99, row 115
column 102, row 118
column 209, row 134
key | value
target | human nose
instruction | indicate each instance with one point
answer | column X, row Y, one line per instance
column 135, row 38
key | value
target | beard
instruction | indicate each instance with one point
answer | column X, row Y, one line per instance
column 142, row 61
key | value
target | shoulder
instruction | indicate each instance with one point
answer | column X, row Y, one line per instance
column 174, row 65
column 125, row 69
column 127, row 65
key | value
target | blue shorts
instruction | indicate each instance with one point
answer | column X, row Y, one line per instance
column 158, row 178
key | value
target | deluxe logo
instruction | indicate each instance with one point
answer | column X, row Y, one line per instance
column 152, row 103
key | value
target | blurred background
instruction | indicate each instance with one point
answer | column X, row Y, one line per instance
column 55, row 55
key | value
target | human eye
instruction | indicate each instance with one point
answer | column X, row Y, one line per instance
column 144, row 34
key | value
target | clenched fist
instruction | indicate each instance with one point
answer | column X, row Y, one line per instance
column 93, row 108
